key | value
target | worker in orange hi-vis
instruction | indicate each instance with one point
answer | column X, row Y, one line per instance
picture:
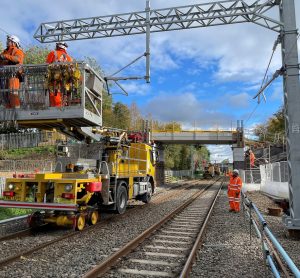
column 12, row 55
column 234, row 191
column 252, row 158
column 58, row 55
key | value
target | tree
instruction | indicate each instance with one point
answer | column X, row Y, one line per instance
column 225, row 161
column 36, row 55
column 136, row 120
column 94, row 65
column 173, row 126
column 185, row 157
column 172, row 156
column 121, row 116
column 274, row 129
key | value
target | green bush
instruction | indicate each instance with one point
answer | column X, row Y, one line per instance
column 27, row 153
column 6, row 213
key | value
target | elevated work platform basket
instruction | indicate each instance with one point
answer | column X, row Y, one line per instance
column 46, row 96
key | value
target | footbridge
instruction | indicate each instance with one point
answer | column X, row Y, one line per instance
column 203, row 137
column 235, row 138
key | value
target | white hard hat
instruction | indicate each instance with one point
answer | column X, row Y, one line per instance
column 62, row 45
column 14, row 39
column 236, row 171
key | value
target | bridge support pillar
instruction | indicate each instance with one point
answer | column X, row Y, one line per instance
column 238, row 158
column 160, row 167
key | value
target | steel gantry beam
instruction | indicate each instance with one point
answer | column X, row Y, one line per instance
column 176, row 18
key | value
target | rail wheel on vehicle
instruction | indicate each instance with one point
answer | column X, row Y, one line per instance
column 122, row 198
column 93, row 217
column 80, row 222
column 35, row 220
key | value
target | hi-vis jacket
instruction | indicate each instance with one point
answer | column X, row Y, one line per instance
column 12, row 56
column 58, row 56
column 235, row 184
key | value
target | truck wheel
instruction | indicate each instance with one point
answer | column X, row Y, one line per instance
column 121, row 201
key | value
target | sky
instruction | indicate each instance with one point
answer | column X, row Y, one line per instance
column 204, row 77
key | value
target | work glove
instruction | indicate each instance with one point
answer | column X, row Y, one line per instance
column 236, row 194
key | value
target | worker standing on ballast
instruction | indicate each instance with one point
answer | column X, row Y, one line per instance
column 234, row 191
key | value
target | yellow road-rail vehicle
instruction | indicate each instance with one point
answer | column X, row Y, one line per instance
column 88, row 177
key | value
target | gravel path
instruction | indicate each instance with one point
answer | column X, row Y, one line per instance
column 74, row 257
column 227, row 250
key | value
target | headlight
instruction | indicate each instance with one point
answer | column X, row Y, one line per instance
column 68, row 187
column 11, row 186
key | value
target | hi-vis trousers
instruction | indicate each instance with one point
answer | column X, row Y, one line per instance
column 234, row 199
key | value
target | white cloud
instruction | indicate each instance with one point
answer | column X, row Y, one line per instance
column 133, row 88
column 237, row 101
column 277, row 93
column 218, row 153
column 186, row 109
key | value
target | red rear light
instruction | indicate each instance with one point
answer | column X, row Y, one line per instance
column 8, row 193
column 67, row 195
column 94, row 186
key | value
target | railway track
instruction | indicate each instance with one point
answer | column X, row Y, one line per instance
column 169, row 247
column 9, row 239
column 29, row 231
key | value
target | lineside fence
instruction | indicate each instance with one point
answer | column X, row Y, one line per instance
column 2, row 184
column 271, row 178
column 179, row 174
column 29, row 139
column 26, row 166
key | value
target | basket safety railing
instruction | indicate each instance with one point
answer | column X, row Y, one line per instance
column 40, row 87
column 264, row 233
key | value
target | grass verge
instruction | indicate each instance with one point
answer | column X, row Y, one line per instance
column 6, row 213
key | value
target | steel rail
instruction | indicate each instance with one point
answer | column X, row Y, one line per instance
column 30, row 231
column 29, row 252
column 189, row 262
column 22, row 233
column 73, row 233
column 125, row 250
